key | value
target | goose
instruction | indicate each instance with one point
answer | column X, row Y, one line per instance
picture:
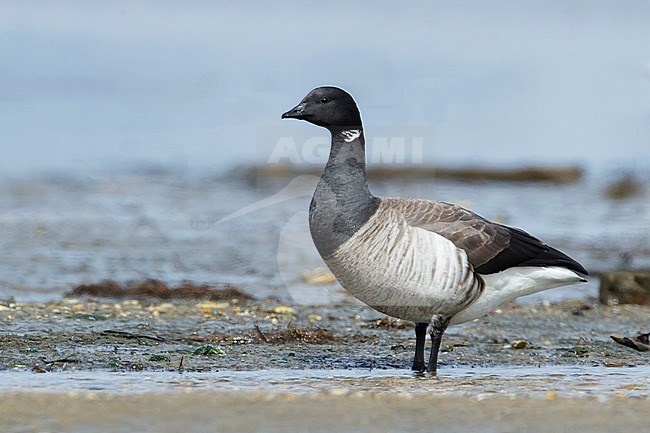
column 429, row 262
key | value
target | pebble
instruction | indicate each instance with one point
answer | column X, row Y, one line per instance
column 314, row 318
column 318, row 276
column 281, row 309
column 162, row 308
column 208, row 307
column 519, row 344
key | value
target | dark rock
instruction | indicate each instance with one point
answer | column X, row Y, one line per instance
column 623, row 188
column 107, row 288
column 152, row 288
column 625, row 287
column 558, row 175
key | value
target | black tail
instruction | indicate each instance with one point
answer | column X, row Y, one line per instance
column 553, row 257
column 526, row 250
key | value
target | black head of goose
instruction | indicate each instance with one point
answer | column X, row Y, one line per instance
column 427, row 261
column 329, row 107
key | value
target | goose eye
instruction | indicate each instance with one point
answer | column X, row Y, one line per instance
column 324, row 100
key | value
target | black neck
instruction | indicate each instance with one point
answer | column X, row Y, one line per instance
column 346, row 166
column 342, row 201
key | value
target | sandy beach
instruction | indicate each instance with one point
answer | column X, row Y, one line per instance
column 261, row 412
column 112, row 365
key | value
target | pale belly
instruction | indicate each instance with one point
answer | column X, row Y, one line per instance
column 405, row 272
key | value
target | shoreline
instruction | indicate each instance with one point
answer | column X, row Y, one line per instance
column 113, row 365
column 148, row 335
column 199, row 412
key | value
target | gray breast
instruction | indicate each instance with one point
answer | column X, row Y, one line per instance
column 337, row 211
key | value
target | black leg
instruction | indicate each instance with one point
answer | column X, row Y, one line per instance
column 438, row 327
column 420, row 339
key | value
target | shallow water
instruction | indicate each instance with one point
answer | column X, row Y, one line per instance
column 57, row 231
column 480, row 382
column 483, row 384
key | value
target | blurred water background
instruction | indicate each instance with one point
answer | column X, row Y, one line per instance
column 124, row 127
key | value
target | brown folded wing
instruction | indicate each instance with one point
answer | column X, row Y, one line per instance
column 490, row 247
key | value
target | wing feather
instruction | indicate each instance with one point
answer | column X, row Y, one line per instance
column 490, row 247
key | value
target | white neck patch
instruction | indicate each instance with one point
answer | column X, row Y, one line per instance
column 351, row 134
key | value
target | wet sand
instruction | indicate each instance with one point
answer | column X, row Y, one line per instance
column 259, row 412
column 133, row 335
column 126, row 365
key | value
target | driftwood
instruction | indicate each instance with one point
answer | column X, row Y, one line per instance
column 640, row 342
